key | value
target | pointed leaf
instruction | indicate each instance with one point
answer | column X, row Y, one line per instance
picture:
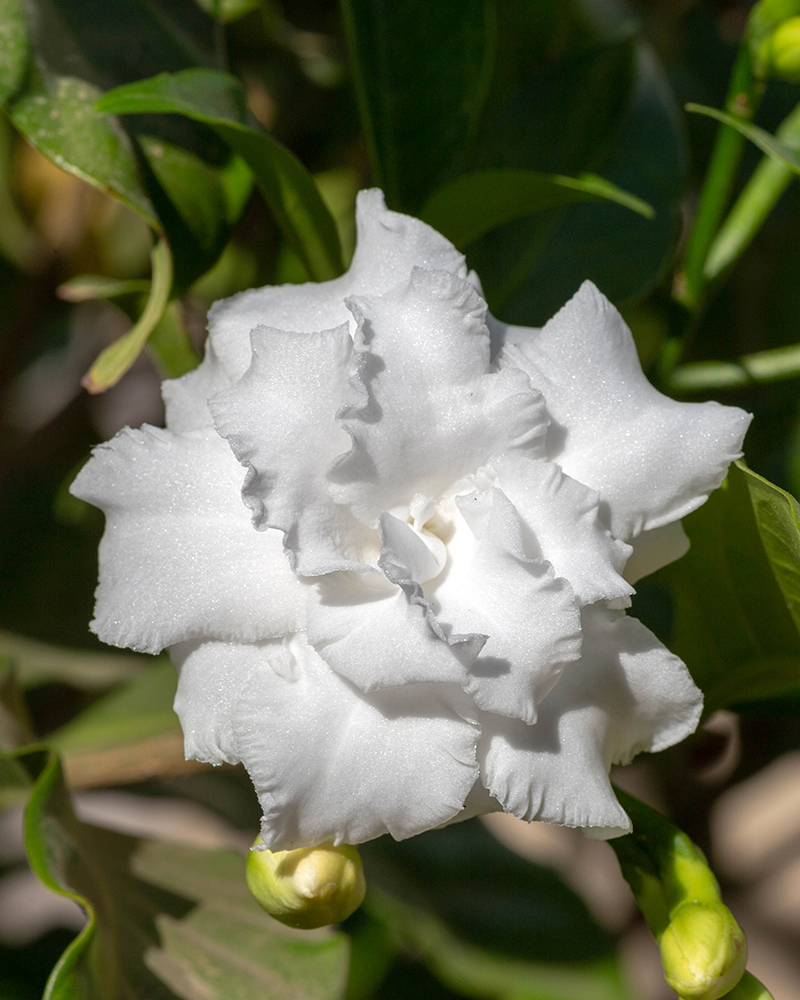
column 765, row 141
column 216, row 99
column 737, row 593
column 471, row 205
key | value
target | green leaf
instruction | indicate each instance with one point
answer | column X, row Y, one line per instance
column 421, row 73
column 737, row 593
column 469, row 206
column 171, row 345
column 39, row 663
column 216, row 99
column 531, row 266
column 15, row 48
column 165, row 921
column 116, row 359
column 487, row 922
column 57, row 115
column 766, row 142
column 78, row 51
column 130, row 734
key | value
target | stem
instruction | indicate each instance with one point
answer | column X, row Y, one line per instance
column 742, row 100
column 768, row 182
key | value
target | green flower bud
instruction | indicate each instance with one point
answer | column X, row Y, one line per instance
column 780, row 53
column 309, row 887
column 703, row 951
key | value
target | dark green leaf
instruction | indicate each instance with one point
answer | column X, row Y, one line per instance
column 164, row 921
column 737, row 593
column 472, row 204
column 487, row 922
column 766, row 142
column 421, row 73
column 530, row 267
column 216, row 99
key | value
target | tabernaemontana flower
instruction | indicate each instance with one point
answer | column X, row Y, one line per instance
column 409, row 607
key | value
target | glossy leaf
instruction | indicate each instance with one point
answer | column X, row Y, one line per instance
column 421, row 74
column 216, row 99
column 164, row 921
column 766, row 142
column 472, row 204
column 737, row 593
column 531, row 266
column 177, row 177
column 57, row 115
column 117, row 358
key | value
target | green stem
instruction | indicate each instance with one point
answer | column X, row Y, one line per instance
column 768, row 182
column 742, row 100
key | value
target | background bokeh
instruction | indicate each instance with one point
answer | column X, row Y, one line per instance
column 592, row 86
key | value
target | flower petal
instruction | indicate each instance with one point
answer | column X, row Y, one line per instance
column 651, row 459
column 628, row 693
column 563, row 516
column 179, row 558
column 186, row 398
column 382, row 633
column 211, row 676
column 388, row 246
column 656, row 548
column 279, row 419
column 434, row 412
column 529, row 616
column 332, row 765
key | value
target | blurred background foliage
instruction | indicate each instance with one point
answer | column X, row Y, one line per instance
column 548, row 139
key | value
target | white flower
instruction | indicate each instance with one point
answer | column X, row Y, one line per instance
column 409, row 609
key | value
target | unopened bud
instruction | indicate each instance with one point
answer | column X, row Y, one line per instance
column 780, row 53
column 703, row 950
column 309, row 887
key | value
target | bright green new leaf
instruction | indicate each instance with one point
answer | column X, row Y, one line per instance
column 117, row 358
column 216, row 99
column 737, row 593
column 161, row 916
column 766, row 142
column 471, row 205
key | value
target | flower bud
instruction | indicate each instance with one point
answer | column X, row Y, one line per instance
column 703, row 951
column 309, row 887
column 780, row 54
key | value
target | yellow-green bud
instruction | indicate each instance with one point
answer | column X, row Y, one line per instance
column 780, row 53
column 703, row 950
column 309, row 887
